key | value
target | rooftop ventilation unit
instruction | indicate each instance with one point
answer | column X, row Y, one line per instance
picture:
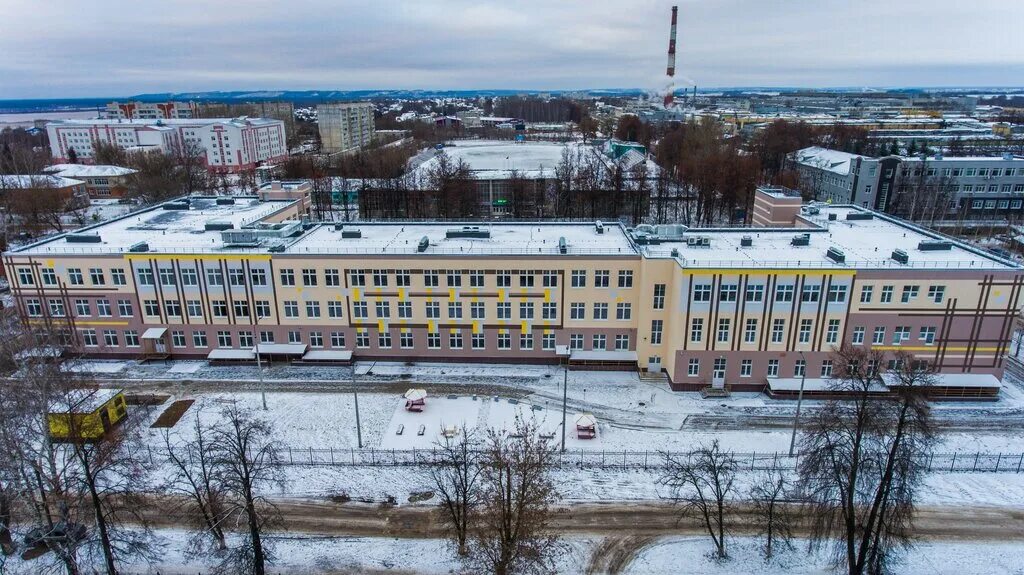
column 351, row 234
column 177, row 205
column 423, row 245
column 83, row 238
column 599, row 227
column 858, row 216
column 698, row 242
column 670, row 231
column 139, row 247
column 219, row 226
column 562, row 246
column 801, row 240
column 935, row 246
column 810, row 210
column 833, row 217
column 900, row 256
column 276, row 249
column 746, row 241
column 675, row 252
column 836, row 255
column 240, row 238
column 471, row 232
column 225, row 201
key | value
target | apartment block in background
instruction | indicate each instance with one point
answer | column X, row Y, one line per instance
column 345, row 126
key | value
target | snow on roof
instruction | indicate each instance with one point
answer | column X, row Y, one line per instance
column 87, row 171
column 164, row 122
column 36, row 181
column 495, row 159
column 83, row 400
column 826, row 159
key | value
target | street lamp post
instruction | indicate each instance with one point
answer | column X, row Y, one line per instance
column 799, row 400
column 259, row 365
column 355, row 395
column 565, row 398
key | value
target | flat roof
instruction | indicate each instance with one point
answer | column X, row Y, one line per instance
column 242, row 120
column 495, row 159
column 83, row 400
column 87, row 170
column 866, row 244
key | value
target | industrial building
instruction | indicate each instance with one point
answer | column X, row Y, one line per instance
column 345, row 127
column 228, row 279
column 230, row 144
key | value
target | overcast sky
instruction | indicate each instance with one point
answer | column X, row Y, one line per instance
column 70, row 48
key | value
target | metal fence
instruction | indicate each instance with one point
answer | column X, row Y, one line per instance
column 958, row 462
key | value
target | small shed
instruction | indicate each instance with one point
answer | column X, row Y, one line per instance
column 586, row 426
column 86, row 414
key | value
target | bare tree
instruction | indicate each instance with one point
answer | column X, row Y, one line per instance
column 701, row 482
column 198, row 477
column 511, row 532
column 772, row 513
column 456, row 474
column 242, row 446
column 861, row 459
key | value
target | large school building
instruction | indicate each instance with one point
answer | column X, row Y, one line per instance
column 752, row 308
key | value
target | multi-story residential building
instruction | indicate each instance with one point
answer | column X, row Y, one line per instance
column 977, row 187
column 344, row 126
column 229, row 144
column 100, row 181
column 150, row 110
column 754, row 308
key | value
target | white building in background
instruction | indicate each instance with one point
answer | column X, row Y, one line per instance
column 230, row 144
column 150, row 110
column 345, row 126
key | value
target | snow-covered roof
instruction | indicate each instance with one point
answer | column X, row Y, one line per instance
column 165, row 122
column 87, row 171
column 826, row 159
column 29, row 182
column 495, row 159
column 83, row 400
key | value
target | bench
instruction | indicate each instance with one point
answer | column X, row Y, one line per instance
column 421, row 430
column 401, row 429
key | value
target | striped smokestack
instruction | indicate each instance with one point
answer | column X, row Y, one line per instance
column 671, row 71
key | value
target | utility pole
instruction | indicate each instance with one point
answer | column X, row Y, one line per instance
column 355, row 394
column 799, row 400
column 259, row 366
column 565, row 397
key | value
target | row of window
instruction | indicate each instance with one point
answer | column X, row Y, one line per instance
column 772, row 367
column 755, row 293
column 97, row 276
column 751, row 331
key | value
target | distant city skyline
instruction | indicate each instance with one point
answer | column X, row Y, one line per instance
column 64, row 49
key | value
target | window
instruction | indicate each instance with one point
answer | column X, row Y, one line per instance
column 886, row 294
column 76, row 279
column 576, row 341
column 900, row 334
column 360, row 310
column 89, row 338
column 291, row 308
column 601, row 278
column 754, row 293
column 383, row 309
column 380, row 278
column 800, row 369
column 384, row 340
column 526, row 341
column 577, row 311
column 837, row 294
column 152, row 307
column 309, row 277
column 194, row 308
column 214, row 277
column 82, row 307
column 727, row 292
column 832, row 332
column 405, row 309
column 455, row 339
column 723, row 329
column 547, row 341
column 878, row 337
column 693, row 367
column 178, row 338
column 525, row 280
column 96, row 277
column 357, row 278
column 621, row 342
column 625, row 278
column 550, row 279
column 773, row 368
column 784, row 293
column 405, row 340
column 927, row 335
column 549, row 310
column 199, row 338
column 505, row 340
column 826, row 368
column 172, row 308
column 696, row 330
column 454, row 310
column 909, row 293
column 750, row 332
column 865, row 294
column 504, row 280
column 936, row 293
column 49, row 276
column 313, row 309
column 223, row 339
column 659, row 296
column 579, row 278
column 337, row 339
column 118, row 277
column 746, row 367
column 430, row 279
column 623, row 311
column 287, row 277
column 600, row 311
column 245, row 339
column 778, row 330
column 478, row 341
column 189, row 277
column 657, row 327
column 316, row 339
column 702, row 292
column 258, row 277
column 433, row 310
column 454, row 279
column 504, row 310
column 810, row 294
column 805, row 331
column 25, row 277
column 858, row 335
column 334, row 309
column 262, row 308
column 241, row 308
column 402, row 278
column 146, row 277
column 236, row 277
column 34, row 307
column 363, row 338
column 131, row 338
column 525, row 310
column 167, row 277
column 331, row 278
column 599, row 341
column 718, row 372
